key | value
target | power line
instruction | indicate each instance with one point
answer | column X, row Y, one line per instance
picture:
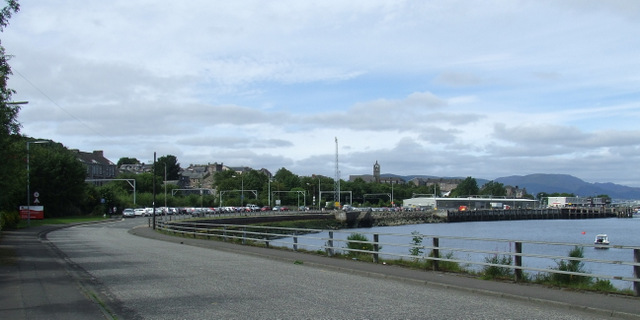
column 56, row 104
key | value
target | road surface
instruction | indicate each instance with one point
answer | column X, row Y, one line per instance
column 141, row 278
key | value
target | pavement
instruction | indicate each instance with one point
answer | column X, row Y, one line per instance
column 38, row 283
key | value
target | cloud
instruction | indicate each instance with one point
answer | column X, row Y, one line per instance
column 433, row 87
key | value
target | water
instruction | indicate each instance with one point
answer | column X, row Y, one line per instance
column 621, row 232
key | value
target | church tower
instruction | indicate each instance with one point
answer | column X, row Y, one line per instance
column 376, row 172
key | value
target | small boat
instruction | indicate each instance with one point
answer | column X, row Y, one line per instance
column 601, row 239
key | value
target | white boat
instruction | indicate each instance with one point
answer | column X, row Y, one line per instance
column 601, row 239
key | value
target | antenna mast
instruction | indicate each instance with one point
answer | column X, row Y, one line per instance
column 336, row 186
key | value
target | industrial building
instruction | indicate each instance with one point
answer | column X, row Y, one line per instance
column 468, row 203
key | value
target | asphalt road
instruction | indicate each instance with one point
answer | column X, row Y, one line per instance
column 141, row 278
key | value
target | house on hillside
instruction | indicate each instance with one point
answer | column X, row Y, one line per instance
column 445, row 184
column 98, row 167
column 515, row 192
column 136, row 168
column 201, row 175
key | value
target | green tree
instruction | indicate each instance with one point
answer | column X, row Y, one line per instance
column 11, row 152
column 9, row 114
column 58, row 176
column 467, row 187
column 144, row 182
column 287, row 178
column 172, row 167
column 224, row 180
column 12, row 173
column 494, row 189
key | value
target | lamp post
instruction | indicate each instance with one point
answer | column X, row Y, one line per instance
column 319, row 193
column 241, row 188
column 29, row 178
column 269, row 195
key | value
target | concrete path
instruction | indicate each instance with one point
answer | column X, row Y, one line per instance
column 36, row 283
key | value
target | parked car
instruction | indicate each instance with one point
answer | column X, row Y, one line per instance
column 139, row 212
column 265, row 208
column 128, row 213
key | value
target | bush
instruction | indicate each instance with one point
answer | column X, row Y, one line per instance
column 571, row 265
column 416, row 241
column 495, row 272
column 358, row 241
column 450, row 266
column 603, row 285
column 9, row 220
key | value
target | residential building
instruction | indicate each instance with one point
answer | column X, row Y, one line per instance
column 98, row 167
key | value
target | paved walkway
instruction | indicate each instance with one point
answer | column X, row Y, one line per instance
column 36, row 283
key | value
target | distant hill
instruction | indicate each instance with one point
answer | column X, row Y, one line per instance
column 552, row 183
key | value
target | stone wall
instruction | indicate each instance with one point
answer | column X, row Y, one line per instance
column 366, row 219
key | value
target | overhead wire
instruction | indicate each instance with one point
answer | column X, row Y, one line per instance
column 55, row 103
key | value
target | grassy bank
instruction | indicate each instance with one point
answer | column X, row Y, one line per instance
column 62, row 220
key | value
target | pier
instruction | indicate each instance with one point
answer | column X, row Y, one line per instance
column 545, row 213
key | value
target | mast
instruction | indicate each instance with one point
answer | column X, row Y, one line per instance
column 336, row 187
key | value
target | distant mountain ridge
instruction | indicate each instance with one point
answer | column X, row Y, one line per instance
column 564, row 183
column 552, row 183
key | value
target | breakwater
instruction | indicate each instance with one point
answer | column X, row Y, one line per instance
column 366, row 219
column 532, row 214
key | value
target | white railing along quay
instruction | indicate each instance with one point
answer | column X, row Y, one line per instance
column 333, row 242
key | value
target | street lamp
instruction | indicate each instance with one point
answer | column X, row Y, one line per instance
column 241, row 189
column 269, row 195
column 28, row 180
column 15, row 103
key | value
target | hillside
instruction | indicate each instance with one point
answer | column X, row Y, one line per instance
column 552, row 183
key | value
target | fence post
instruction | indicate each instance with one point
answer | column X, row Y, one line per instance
column 518, row 262
column 330, row 244
column 435, row 252
column 244, row 235
column 295, row 241
column 636, row 272
column 375, row 247
column 224, row 233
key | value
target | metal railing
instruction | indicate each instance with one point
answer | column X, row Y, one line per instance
column 332, row 242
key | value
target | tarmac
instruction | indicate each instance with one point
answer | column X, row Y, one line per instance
column 38, row 283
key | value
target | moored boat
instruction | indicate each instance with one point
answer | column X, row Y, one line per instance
column 602, row 240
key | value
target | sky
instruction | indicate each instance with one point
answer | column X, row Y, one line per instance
column 451, row 88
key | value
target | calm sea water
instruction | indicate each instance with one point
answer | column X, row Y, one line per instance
column 624, row 232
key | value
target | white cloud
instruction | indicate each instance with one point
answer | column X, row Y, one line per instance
column 439, row 87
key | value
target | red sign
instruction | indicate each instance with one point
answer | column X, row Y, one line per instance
column 37, row 212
